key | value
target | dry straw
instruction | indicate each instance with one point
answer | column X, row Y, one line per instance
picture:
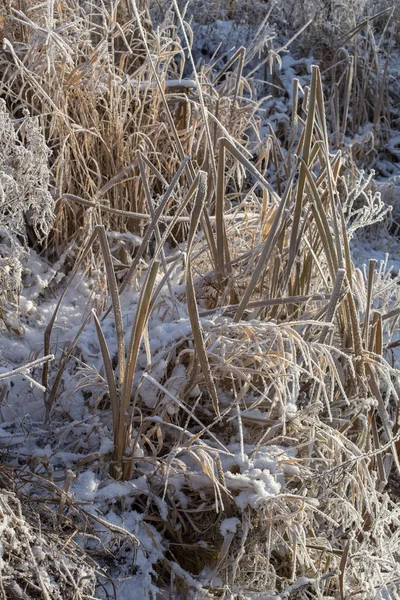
column 285, row 353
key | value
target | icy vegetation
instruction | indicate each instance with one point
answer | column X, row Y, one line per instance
column 199, row 300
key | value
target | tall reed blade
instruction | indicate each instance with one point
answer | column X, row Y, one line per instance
column 141, row 317
column 371, row 271
column 115, row 300
column 219, row 211
column 112, row 388
column 305, row 156
column 191, row 297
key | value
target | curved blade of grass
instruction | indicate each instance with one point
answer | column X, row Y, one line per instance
column 191, row 296
column 149, row 200
column 57, row 380
column 112, row 388
column 336, row 294
column 330, row 179
column 199, row 339
column 302, row 175
column 115, row 300
column 239, row 54
column 141, row 317
column 319, row 214
column 249, row 166
column 360, row 26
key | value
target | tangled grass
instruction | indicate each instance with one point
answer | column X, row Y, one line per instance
column 37, row 562
column 243, row 361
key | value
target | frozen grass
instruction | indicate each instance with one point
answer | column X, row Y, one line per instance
column 227, row 405
column 36, row 562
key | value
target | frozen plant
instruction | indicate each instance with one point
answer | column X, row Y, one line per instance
column 24, row 197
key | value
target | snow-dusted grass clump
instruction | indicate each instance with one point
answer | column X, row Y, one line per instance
column 36, row 563
column 204, row 396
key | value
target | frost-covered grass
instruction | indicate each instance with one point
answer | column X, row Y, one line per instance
column 199, row 376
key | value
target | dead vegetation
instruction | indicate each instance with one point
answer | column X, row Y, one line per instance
column 245, row 385
column 37, row 562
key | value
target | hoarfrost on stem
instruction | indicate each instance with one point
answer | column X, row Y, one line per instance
column 24, row 196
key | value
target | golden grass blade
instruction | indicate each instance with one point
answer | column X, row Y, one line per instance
column 371, row 272
column 132, row 215
column 295, row 120
column 219, row 211
column 162, row 283
column 191, row 296
column 209, row 236
column 347, row 94
column 306, row 149
column 376, row 336
column 197, row 209
column 106, row 209
column 239, row 54
column 151, row 210
column 330, row 180
column 251, row 168
column 319, row 214
column 115, row 300
column 354, row 317
column 377, row 444
column 120, row 177
column 112, row 388
column 268, row 302
column 335, row 297
column 199, row 339
column 141, row 317
column 342, row 570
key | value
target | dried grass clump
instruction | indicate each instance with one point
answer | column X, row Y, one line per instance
column 242, row 361
column 269, row 407
column 89, row 70
column 36, row 563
